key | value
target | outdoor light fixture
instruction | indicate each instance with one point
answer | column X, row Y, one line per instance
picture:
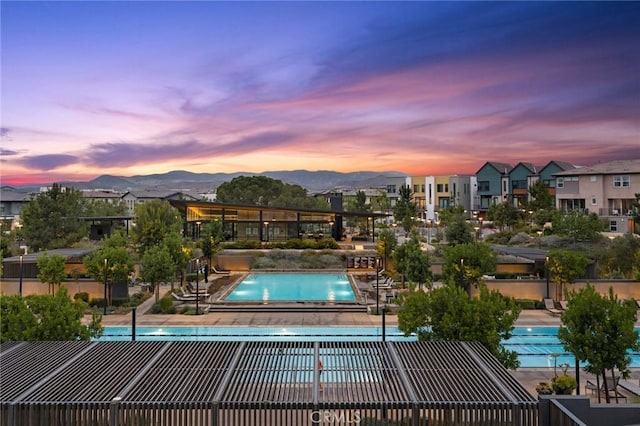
column 197, row 284
column 106, row 263
column 21, row 275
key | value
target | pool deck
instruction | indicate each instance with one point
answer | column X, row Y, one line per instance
column 528, row 377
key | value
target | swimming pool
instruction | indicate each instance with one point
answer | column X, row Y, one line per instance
column 535, row 345
column 293, row 287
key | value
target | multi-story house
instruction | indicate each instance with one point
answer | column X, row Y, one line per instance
column 12, row 202
column 520, row 179
column 607, row 190
column 547, row 174
column 393, row 187
column 493, row 185
column 463, row 191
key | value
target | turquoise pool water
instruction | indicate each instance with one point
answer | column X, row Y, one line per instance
column 535, row 345
column 283, row 287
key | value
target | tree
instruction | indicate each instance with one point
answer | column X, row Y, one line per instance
column 115, row 257
column 386, row 244
column 265, row 191
column 503, row 215
column 599, row 331
column 465, row 264
column 451, row 214
column 635, row 208
column 101, row 208
column 52, row 219
column 459, row 231
column 565, row 267
column 154, row 220
column 621, row 259
column 181, row 253
column 45, row 317
column 380, row 202
column 540, row 198
column 412, row 262
column 578, row 226
column 51, row 270
column 447, row 313
column 405, row 210
column 358, row 204
column 157, row 267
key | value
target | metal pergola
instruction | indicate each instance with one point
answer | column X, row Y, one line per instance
column 258, row 383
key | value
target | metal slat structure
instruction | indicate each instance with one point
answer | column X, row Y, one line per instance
column 258, row 383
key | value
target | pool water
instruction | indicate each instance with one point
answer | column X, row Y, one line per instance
column 293, row 288
column 535, row 346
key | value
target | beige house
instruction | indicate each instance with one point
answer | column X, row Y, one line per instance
column 606, row 189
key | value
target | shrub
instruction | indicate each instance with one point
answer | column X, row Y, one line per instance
column 564, row 384
column 544, row 388
column 84, row 296
column 526, row 303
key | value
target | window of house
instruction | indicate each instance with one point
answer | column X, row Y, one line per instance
column 439, row 187
column 613, row 225
column 422, row 188
column 415, row 188
column 560, row 182
column 621, row 181
column 483, row 185
column 391, row 189
column 594, row 201
column 594, row 178
column 446, row 187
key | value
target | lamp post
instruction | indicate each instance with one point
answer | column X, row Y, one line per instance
column 266, row 227
column 476, row 229
column 539, row 237
column 197, row 285
column 377, row 284
column 21, row 275
column 106, row 263
column 546, row 273
column 462, row 276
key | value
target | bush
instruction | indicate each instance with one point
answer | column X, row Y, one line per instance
column 564, row 384
column 84, row 296
column 526, row 303
column 96, row 303
column 544, row 388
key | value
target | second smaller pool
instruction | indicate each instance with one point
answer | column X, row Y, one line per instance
column 293, row 288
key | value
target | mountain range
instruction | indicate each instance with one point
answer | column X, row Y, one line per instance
column 181, row 180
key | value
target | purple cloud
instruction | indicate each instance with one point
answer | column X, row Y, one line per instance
column 49, row 161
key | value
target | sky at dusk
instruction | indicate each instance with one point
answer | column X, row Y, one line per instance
column 422, row 88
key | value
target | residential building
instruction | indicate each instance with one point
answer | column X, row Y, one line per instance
column 520, row 179
column 547, row 174
column 132, row 199
column 607, row 190
column 12, row 202
column 463, row 191
column 493, row 185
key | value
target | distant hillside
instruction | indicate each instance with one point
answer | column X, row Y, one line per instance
column 313, row 181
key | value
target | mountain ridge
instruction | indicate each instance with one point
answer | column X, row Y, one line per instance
column 183, row 180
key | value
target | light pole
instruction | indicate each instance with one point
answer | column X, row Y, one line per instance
column 106, row 263
column 462, row 277
column 197, row 284
column 266, row 227
column 377, row 284
column 21, row 275
column 476, row 229
column 546, row 273
column 539, row 237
